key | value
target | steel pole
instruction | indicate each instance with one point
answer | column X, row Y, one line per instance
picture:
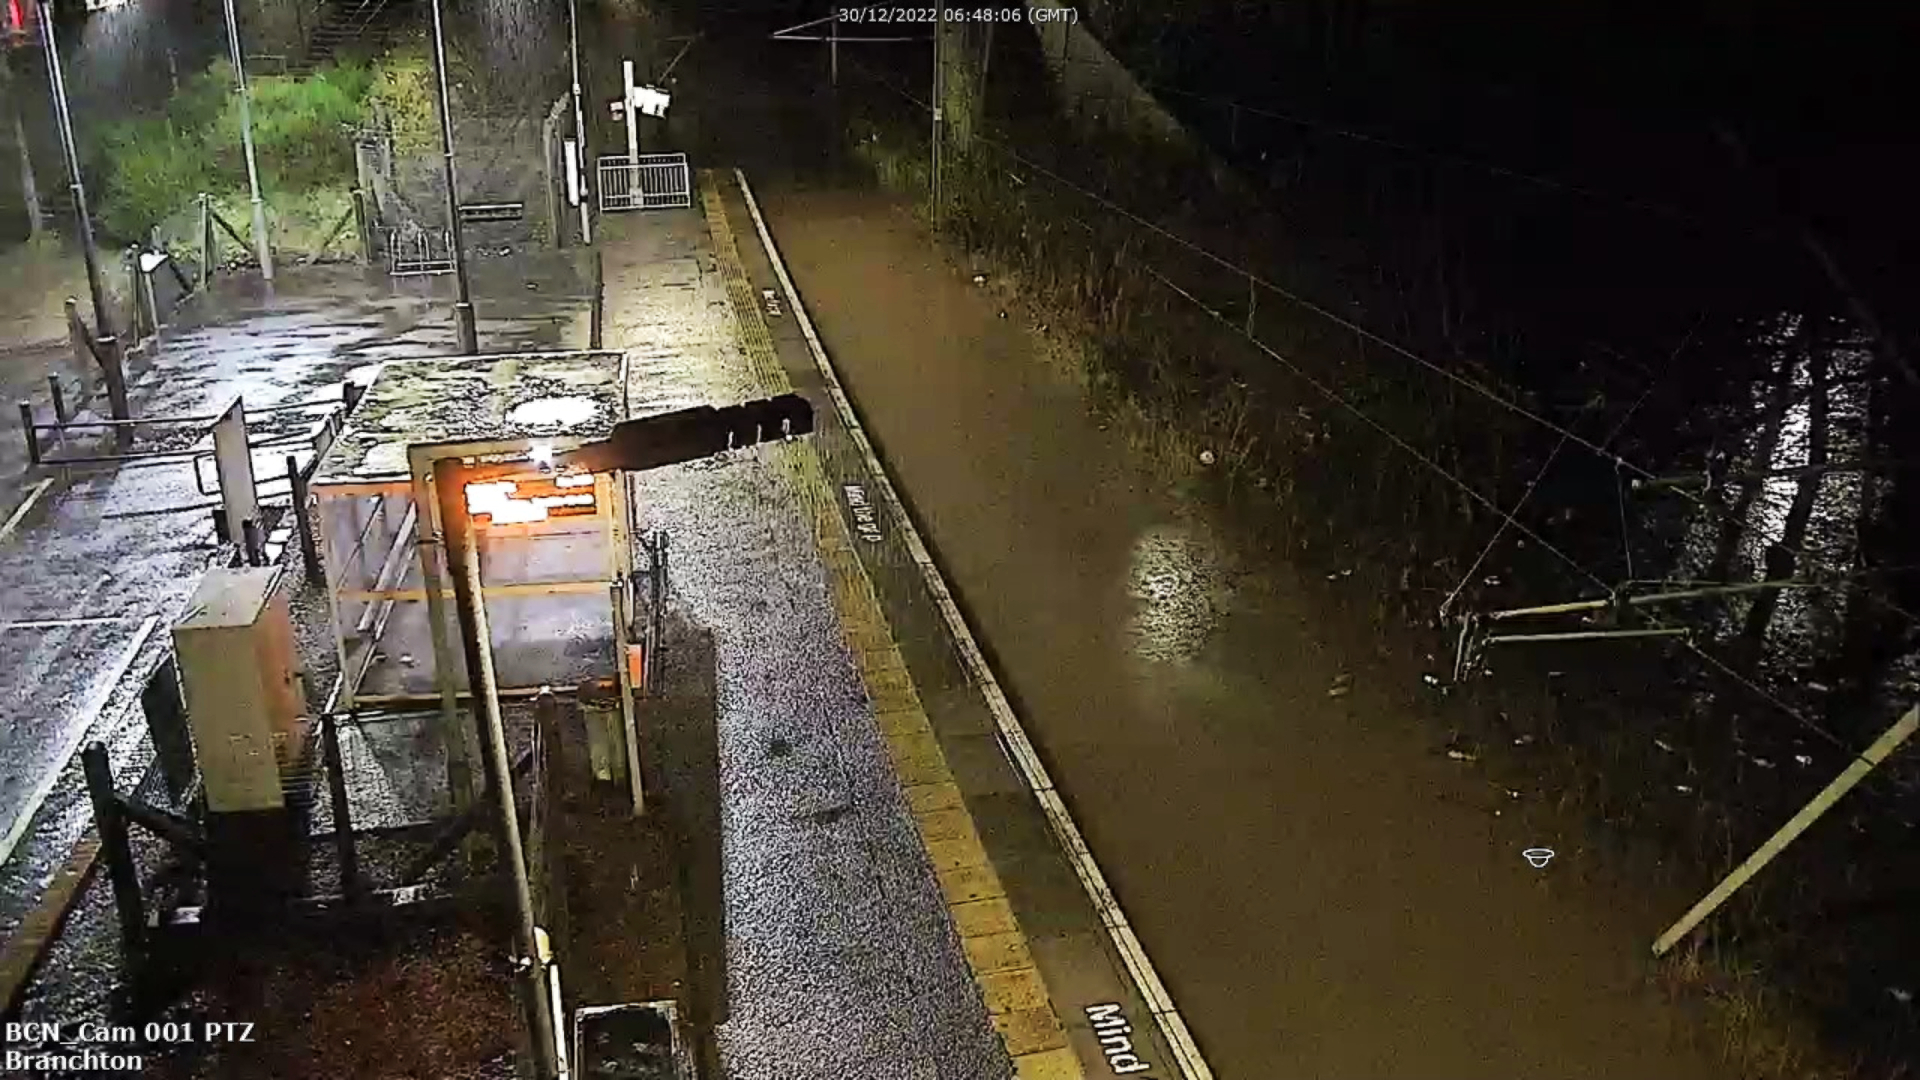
column 261, row 245
column 103, row 324
column 463, row 307
column 107, row 352
column 450, row 481
column 579, row 119
column 939, row 104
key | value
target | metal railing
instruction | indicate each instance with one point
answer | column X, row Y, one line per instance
column 651, row 182
column 414, row 251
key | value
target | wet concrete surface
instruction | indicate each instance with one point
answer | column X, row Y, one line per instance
column 119, row 546
column 1323, row 894
column 842, row 961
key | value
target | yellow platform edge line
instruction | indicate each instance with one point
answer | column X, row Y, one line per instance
column 996, row 948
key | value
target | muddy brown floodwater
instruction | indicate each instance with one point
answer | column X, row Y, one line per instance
column 1325, row 896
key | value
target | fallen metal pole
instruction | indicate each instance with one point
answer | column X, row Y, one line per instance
column 1708, row 593
column 1586, row 635
column 1855, row 772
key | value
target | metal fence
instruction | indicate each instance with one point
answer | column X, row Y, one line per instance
column 650, row 182
column 415, row 251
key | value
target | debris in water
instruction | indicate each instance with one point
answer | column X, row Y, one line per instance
column 1901, row 994
column 1662, row 744
column 1342, row 685
column 1819, row 687
column 1491, row 579
column 1803, row 759
column 1206, row 457
column 1524, row 740
column 1683, row 789
column 407, row 659
column 1430, row 679
column 1461, row 755
column 979, row 279
column 1762, row 762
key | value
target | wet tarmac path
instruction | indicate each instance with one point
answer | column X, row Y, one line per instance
column 94, row 573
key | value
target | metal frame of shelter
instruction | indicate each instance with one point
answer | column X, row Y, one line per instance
column 388, row 590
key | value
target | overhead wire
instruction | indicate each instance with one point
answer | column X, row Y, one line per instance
column 1713, row 509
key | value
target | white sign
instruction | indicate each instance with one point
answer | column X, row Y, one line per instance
column 573, row 172
column 651, row 100
column 866, row 523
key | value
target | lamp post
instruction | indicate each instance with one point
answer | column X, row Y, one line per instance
column 450, row 478
column 109, row 345
column 579, row 119
column 463, row 307
column 262, row 246
column 939, row 104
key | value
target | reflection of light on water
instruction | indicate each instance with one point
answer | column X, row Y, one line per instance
column 553, row 412
column 1175, row 578
column 1828, row 543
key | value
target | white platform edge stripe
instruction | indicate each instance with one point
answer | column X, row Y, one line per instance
column 1173, row 1028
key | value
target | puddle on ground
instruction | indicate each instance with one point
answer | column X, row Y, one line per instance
column 555, row 413
column 1179, row 580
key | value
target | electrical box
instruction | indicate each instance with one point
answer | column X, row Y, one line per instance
column 245, row 705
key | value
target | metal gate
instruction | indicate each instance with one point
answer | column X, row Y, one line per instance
column 413, row 251
column 653, row 182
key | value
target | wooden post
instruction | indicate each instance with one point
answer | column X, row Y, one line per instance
column 112, row 825
column 343, row 845
column 137, row 294
column 302, row 521
column 359, row 213
column 114, row 363
column 596, row 335
column 33, row 434
column 1855, row 772
column 252, row 543
column 206, row 239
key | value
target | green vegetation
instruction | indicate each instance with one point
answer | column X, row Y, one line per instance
column 157, row 165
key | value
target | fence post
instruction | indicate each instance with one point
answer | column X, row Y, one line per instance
column 362, row 230
column 253, row 543
column 112, row 825
column 597, row 333
column 59, row 398
column 136, row 295
column 342, row 810
column 114, row 361
column 33, row 434
column 309, row 553
column 206, row 239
